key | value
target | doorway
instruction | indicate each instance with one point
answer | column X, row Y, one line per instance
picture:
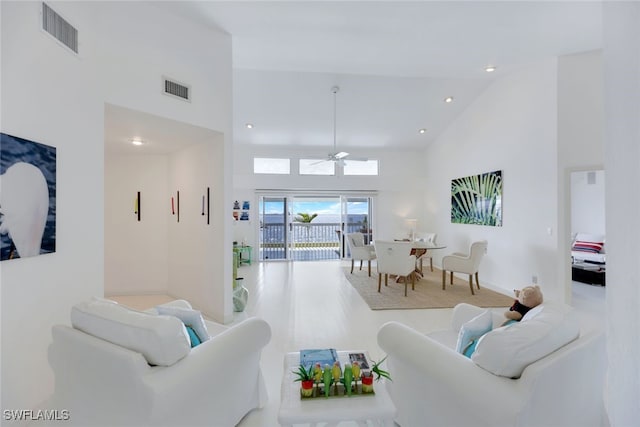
column 303, row 227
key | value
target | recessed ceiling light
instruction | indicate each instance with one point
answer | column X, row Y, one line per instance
column 490, row 68
column 249, row 126
column 422, row 130
column 137, row 141
column 448, row 99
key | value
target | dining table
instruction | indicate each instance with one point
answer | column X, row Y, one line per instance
column 419, row 248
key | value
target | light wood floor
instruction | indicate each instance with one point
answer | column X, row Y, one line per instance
column 311, row 305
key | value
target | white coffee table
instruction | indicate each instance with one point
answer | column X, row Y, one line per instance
column 377, row 408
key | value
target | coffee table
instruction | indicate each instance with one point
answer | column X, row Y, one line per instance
column 377, row 407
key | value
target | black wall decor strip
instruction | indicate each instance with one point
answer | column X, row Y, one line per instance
column 178, row 204
column 208, row 204
column 138, row 206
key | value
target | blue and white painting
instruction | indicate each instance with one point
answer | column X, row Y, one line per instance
column 27, row 198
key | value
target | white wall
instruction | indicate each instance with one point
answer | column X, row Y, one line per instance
column 510, row 127
column 587, row 203
column 622, row 165
column 53, row 97
column 49, row 96
column 136, row 252
column 399, row 185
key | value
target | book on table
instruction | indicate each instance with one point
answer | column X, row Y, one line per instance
column 323, row 356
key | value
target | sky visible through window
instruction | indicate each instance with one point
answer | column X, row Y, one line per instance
column 327, row 210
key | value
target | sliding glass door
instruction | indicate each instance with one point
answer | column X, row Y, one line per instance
column 356, row 217
column 303, row 227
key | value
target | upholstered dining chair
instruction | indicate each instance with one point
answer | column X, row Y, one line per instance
column 427, row 238
column 360, row 251
column 465, row 263
column 395, row 258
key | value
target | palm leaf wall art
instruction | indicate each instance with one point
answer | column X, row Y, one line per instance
column 477, row 199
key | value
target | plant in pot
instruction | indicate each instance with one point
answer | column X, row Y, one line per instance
column 305, row 376
column 367, row 381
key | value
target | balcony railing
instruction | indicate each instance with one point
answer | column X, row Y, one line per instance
column 310, row 241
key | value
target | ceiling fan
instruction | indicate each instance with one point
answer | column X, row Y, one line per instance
column 338, row 156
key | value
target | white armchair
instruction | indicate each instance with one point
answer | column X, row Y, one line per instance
column 464, row 263
column 435, row 385
column 395, row 258
column 360, row 251
column 105, row 384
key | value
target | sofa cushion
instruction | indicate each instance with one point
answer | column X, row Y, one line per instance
column 508, row 350
column 162, row 340
column 472, row 330
column 189, row 317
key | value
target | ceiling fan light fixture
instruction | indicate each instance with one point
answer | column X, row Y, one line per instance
column 421, row 131
column 448, row 99
column 490, row 68
column 341, row 155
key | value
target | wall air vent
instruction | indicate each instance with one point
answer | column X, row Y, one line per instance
column 59, row 28
column 173, row 88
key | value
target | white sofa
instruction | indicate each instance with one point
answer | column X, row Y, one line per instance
column 103, row 384
column 434, row 385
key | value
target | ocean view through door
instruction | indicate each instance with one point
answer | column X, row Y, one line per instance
column 306, row 228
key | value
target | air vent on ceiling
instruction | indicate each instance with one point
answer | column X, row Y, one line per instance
column 59, row 28
column 173, row 88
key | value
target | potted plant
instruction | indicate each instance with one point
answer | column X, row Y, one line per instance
column 305, row 376
column 367, row 380
column 379, row 371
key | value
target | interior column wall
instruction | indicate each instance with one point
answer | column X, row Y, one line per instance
column 622, row 164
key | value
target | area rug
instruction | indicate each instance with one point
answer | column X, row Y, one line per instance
column 428, row 292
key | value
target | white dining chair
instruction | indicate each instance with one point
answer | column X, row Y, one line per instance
column 426, row 238
column 395, row 258
column 360, row 251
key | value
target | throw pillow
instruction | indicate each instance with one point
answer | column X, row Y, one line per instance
column 473, row 330
column 189, row 317
column 507, row 351
column 162, row 340
column 195, row 341
column 592, row 247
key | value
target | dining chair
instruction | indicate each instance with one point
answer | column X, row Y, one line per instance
column 427, row 238
column 395, row 258
column 465, row 263
column 360, row 251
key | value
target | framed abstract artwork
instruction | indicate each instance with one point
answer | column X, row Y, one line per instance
column 477, row 199
column 27, row 198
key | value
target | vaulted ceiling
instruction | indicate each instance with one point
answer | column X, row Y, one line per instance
column 395, row 62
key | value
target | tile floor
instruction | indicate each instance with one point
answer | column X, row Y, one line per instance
column 311, row 305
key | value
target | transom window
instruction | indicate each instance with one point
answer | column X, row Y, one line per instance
column 353, row 167
column 271, row 165
column 316, row 167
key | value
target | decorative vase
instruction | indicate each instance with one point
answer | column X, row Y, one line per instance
column 306, row 388
column 240, row 297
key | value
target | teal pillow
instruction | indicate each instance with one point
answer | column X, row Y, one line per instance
column 193, row 336
column 471, row 348
column 473, row 330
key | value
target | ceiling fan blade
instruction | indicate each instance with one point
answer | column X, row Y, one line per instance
column 320, row 161
column 357, row 159
column 340, row 155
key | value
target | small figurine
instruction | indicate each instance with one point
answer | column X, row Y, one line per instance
column 327, row 379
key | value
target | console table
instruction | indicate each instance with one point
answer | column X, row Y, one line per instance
column 244, row 254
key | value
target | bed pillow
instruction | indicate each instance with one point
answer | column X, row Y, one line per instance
column 190, row 318
column 472, row 330
column 162, row 340
column 507, row 351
